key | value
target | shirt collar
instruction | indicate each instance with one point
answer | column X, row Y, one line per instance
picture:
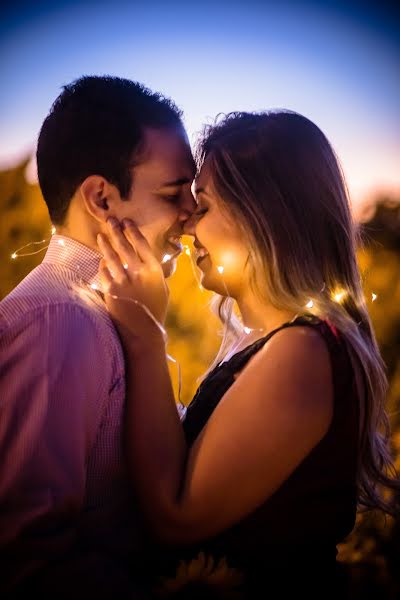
column 77, row 257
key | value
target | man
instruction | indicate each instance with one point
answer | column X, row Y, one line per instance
column 109, row 147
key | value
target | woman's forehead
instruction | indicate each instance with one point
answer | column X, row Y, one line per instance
column 203, row 179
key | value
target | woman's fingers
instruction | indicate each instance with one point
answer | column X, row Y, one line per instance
column 112, row 258
column 120, row 242
column 139, row 242
column 141, row 278
column 105, row 276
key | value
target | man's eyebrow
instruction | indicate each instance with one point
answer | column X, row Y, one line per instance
column 176, row 182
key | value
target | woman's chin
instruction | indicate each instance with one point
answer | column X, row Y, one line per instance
column 208, row 282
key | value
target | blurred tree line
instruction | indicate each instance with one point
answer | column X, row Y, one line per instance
column 371, row 555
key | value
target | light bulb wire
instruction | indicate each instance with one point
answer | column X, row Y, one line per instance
column 17, row 253
column 165, row 338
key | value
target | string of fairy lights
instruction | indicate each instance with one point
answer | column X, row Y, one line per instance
column 337, row 296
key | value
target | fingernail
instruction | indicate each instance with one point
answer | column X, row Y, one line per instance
column 112, row 221
column 99, row 238
column 127, row 222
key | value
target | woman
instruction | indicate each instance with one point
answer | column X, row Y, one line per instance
column 288, row 434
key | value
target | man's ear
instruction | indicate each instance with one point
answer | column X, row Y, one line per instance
column 98, row 197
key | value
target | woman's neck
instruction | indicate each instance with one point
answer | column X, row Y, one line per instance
column 258, row 319
column 261, row 316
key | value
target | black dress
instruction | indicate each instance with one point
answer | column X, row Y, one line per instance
column 288, row 544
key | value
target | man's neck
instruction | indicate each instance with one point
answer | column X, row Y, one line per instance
column 79, row 235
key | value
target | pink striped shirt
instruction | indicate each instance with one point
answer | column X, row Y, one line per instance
column 62, row 387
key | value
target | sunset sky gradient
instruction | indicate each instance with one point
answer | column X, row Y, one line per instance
column 337, row 63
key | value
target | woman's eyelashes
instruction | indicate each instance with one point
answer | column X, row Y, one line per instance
column 200, row 211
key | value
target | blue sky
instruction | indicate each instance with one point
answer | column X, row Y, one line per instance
column 338, row 63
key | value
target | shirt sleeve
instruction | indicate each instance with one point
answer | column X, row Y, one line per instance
column 55, row 377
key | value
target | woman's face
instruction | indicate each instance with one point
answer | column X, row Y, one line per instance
column 221, row 250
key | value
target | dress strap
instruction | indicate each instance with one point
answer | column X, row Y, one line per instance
column 328, row 331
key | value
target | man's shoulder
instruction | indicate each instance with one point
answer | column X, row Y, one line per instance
column 50, row 293
column 61, row 318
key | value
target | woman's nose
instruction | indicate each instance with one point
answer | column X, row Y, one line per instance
column 189, row 227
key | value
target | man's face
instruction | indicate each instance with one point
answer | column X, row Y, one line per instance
column 160, row 200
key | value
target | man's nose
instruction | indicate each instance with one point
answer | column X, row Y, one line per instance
column 188, row 206
column 189, row 226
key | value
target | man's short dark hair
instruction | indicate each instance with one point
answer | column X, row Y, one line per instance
column 96, row 127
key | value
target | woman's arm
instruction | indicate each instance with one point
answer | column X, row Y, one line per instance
column 268, row 421
column 154, row 439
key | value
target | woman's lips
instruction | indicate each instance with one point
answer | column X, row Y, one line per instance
column 200, row 254
column 200, row 260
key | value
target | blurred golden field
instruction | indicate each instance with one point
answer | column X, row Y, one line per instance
column 372, row 553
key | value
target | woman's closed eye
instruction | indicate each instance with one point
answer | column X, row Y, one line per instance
column 200, row 212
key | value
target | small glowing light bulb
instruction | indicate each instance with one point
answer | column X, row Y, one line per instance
column 166, row 258
column 187, row 250
column 125, row 266
column 220, row 269
column 247, row 330
column 94, row 286
column 310, row 304
column 339, row 296
column 53, row 230
column 61, row 242
column 13, row 255
column 374, row 297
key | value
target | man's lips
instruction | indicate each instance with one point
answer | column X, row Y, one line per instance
column 175, row 240
column 176, row 244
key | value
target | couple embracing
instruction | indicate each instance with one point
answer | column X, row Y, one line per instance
column 104, row 487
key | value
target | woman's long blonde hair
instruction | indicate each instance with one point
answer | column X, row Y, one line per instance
column 278, row 173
